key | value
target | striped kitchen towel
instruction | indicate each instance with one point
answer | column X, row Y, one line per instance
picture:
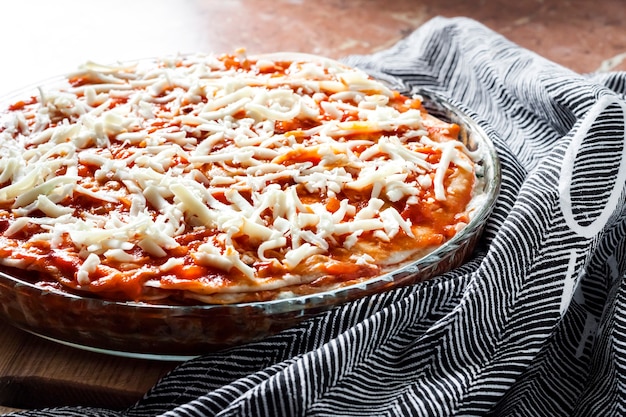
column 533, row 325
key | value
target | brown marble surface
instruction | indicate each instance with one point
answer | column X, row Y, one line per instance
column 44, row 38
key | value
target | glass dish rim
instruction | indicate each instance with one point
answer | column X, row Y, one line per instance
column 491, row 191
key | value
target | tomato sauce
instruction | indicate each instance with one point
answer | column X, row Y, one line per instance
column 431, row 220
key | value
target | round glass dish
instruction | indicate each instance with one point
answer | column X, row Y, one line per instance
column 168, row 332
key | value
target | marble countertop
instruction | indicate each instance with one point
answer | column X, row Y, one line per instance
column 43, row 38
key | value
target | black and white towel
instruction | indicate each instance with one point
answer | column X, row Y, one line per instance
column 533, row 325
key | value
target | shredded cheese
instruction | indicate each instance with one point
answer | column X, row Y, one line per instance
column 195, row 143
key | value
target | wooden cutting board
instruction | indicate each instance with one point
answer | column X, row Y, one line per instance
column 36, row 373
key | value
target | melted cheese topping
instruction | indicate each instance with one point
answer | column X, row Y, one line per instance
column 224, row 179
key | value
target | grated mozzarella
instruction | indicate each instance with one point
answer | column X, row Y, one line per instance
column 192, row 143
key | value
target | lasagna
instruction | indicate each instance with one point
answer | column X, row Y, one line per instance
column 224, row 179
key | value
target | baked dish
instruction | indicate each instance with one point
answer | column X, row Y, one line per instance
column 206, row 180
column 225, row 179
